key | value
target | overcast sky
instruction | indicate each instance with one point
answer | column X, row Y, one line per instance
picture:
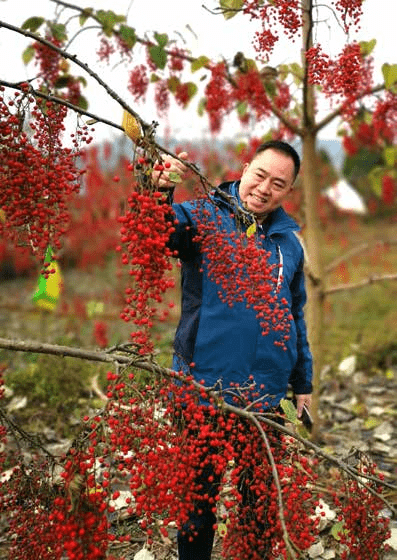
column 203, row 32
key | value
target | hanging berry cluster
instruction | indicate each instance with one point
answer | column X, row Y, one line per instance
column 145, row 231
column 239, row 266
column 38, row 175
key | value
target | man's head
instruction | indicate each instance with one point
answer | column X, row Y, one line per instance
column 269, row 177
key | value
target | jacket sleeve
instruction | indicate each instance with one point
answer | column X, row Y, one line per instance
column 301, row 376
column 182, row 239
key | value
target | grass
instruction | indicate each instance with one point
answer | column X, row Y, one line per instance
column 364, row 319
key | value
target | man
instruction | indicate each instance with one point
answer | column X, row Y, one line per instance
column 222, row 342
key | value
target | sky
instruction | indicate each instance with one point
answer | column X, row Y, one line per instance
column 203, row 33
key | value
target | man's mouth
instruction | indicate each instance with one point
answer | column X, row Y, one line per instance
column 259, row 198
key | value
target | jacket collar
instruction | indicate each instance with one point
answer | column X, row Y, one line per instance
column 277, row 221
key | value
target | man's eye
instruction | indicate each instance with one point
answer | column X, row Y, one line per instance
column 278, row 186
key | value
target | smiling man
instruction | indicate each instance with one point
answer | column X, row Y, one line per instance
column 227, row 343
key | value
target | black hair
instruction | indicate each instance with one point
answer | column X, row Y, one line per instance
column 284, row 148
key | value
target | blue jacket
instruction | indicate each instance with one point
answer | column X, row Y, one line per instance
column 226, row 343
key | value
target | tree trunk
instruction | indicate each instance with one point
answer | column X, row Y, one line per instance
column 315, row 284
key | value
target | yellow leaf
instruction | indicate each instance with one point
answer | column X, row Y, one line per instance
column 251, row 230
column 131, row 126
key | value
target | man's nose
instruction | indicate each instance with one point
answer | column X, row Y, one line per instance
column 264, row 186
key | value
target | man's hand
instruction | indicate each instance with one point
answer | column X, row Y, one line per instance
column 301, row 401
column 162, row 173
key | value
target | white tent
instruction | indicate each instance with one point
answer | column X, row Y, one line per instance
column 345, row 197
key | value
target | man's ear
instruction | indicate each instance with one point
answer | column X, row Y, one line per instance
column 246, row 166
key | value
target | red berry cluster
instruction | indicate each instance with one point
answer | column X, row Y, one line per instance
column 218, row 96
column 138, row 82
column 240, row 268
column 350, row 11
column 145, row 230
column 344, row 79
column 38, row 175
column 359, row 508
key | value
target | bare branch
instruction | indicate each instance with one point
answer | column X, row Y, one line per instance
column 329, row 118
column 19, row 86
column 364, row 247
column 361, row 284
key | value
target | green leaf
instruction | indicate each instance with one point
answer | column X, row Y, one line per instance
column 222, row 529
column 198, row 63
column 173, row 83
column 367, row 47
column 154, row 78
column 82, row 103
column 158, row 56
column 33, row 23
column 371, row 422
column 390, row 155
column 201, row 107
column 82, row 80
column 337, row 529
column 58, row 30
column 390, row 75
column 28, row 54
column 242, row 108
column 94, row 308
column 375, row 178
column 175, row 177
column 230, row 8
column 108, row 20
column 161, row 38
column 128, row 35
column 289, row 410
column 191, row 89
column 63, row 81
column 87, row 12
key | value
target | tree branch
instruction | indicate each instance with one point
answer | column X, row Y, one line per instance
column 361, row 284
column 73, row 58
column 356, row 251
column 60, row 101
column 329, row 118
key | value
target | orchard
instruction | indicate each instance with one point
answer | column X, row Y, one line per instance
column 153, row 434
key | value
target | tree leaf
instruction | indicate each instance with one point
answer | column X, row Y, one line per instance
column 63, row 81
column 390, row 155
column 389, row 72
column 198, row 63
column 230, row 8
column 128, row 35
column 87, row 12
column 367, row 47
column 175, row 177
column 82, row 103
column 158, row 56
column 173, row 83
column 108, row 20
column 161, row 38
column 58, row 30
column 289, row 410
column 33, row 23
column 242, row 108
column 191, row 89
column 375, row 178
column 28, row 54
column 337, row 529
column 201, row 107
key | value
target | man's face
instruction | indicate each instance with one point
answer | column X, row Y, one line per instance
column 266, row 181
